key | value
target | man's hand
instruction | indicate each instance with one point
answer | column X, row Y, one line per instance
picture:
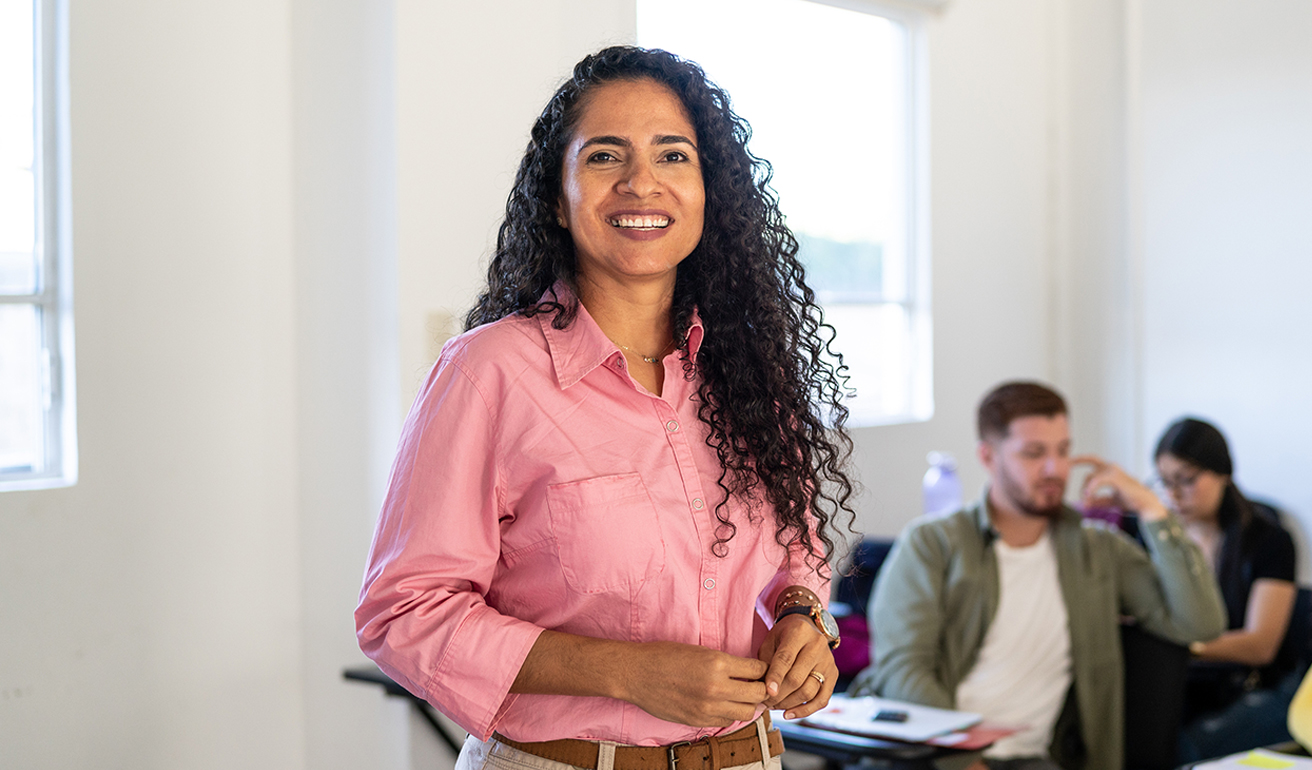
column 794, row 648
column 1108, row 485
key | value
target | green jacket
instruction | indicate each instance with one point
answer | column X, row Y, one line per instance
column 938, row 592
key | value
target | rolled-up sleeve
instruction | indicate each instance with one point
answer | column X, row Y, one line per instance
column 801, row 570
column 422, row 615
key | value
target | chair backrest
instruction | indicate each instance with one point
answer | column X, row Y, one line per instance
column 854, row 587
column 1299, row 635
column 1155, row 675
column 853, row 590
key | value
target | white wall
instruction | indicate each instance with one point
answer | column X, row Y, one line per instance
column 188, row 603
column 1094, row 318
column 344, row 167
column 1227, row 232
column 151, row 613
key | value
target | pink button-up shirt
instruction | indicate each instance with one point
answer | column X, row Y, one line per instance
column 538, row 486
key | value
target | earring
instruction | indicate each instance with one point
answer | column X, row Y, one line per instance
column 560, row 220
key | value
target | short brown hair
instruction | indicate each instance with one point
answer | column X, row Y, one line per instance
column 1012, row 400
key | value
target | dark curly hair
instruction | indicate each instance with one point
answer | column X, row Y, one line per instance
column 769, row 381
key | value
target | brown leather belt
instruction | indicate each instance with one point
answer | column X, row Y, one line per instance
column 740, row 747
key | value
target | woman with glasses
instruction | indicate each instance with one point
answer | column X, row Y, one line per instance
column 1241, row 689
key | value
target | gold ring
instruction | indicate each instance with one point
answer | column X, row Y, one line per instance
column 819, row 677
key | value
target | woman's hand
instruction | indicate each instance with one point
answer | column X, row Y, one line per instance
column 693, row 685
column 682, row 683
column 1108, row 485
column 1270, row 611
column 794, row 648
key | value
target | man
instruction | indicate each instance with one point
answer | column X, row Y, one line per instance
column 1011, row 608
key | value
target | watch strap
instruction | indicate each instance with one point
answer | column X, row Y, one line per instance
column 812, row 612
column 800, row 609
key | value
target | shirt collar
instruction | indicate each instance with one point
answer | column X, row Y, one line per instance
column 986, row 528
column 989, row 533
column 583, row 346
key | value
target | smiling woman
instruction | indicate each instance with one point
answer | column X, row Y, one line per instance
column 610, row 515
column 632, row 199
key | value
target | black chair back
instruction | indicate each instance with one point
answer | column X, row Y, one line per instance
column 1299, row 635
column 1155, row 675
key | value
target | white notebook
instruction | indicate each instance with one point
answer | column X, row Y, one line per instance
column 857, row 716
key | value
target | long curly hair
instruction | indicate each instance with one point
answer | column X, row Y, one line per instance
column 771, row 388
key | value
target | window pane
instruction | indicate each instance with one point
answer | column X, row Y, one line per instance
column 877, row 344
column 18, row 271
column 22, row 397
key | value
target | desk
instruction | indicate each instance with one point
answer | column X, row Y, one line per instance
column 841, row 749
column 838, row 749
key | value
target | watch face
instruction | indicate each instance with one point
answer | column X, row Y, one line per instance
column 830, row 625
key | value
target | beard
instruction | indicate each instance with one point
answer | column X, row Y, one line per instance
column 1044, row 500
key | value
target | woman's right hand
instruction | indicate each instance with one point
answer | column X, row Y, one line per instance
column 683, row 683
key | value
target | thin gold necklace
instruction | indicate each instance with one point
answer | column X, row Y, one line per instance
column 656, row 359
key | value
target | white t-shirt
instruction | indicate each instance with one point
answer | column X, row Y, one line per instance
column 1024, row 667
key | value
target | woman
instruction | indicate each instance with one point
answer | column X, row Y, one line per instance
column 608, row 519
column 1233, row 707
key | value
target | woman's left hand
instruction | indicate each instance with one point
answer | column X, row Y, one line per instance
column 794, row 649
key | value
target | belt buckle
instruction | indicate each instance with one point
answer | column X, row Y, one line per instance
column 669, row 752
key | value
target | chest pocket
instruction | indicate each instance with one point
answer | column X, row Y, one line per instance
column 607, row 533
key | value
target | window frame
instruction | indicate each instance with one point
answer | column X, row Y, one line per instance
column 54, row 290
column 911, row 15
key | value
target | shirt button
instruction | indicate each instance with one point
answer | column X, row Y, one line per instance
column 708, row 583
column 672, row 425
column 698, row 504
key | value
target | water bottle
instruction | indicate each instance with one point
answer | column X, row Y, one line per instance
column 941, row 487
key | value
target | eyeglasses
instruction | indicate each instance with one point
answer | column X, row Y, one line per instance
column 1180, row 483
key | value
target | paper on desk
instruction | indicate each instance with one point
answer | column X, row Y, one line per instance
column 1261, row 759
column 856, row 715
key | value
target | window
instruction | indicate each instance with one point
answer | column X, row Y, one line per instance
column 832, row 97
column 37, row 443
